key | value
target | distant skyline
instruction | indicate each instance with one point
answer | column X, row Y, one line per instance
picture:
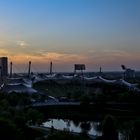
column 98, row 33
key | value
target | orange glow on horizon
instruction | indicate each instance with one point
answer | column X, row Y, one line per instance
column 64, row 61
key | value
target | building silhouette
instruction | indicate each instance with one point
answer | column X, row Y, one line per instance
column 3, row 66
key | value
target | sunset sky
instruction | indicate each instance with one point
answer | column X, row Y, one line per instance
column 98, row 33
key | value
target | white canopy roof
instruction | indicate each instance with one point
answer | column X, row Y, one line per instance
column 19, row 88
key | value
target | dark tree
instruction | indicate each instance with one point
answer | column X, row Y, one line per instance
column 8, row 130
column 109, row 129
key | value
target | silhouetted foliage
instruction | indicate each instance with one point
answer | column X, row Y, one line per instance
column 8, row 130
column 34, row 116
column 85, row 99
column 109, row 129
column 136, row 130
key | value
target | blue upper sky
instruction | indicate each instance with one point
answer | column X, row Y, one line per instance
column 95, row 32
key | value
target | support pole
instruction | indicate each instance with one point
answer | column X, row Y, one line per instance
column 29, row 70
column 100, row 72
column 50, row 67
